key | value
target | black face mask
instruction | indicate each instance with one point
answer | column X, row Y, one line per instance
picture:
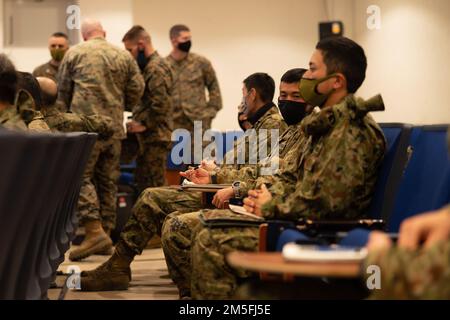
column 292, row 111
column 185, row 46
column 141, row 59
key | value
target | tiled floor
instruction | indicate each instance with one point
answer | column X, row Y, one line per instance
column 150, row 281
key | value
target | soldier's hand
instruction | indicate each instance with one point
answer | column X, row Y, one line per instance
column 208, row 165
column 428, row 228
column 222, row 196
column 378, row 241
column 256, row 199
column 135, row 127
column 198, row 176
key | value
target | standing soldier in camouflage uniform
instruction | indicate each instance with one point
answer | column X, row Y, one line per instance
column 152, row 119
column 154, row 204
column 330, row 173
column 193, row 74
column 96, row 77
column 58, row 44
column 419, row 266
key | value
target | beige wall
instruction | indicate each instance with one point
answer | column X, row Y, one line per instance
column 242, row 37
column 409, row 59
column 116, row 17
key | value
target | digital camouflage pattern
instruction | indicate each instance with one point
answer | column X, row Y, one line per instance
column 47, row 70
column 96, row 77
column 193, row 75
column 155, row 204
column 155, row 113
column 331, row 172
column 99, row 184
column 271, row 120
column 90, row 207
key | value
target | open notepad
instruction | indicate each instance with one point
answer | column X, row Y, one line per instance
column 241, row 210
column 329, row 253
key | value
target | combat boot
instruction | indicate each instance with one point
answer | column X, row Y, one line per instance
column 95, row 240
column 114, row 274
column 109, row 250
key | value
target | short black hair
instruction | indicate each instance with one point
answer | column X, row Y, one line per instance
column 29, row 83
column 293, row 75
column 263, row 84
column 135, row 33
column 60, row 35
column 177, row 29
column 343, row 55
column 8, row 80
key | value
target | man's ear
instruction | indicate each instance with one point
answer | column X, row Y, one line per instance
column 340, row 82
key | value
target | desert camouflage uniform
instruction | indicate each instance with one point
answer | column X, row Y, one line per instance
column 47, row 70
column 192, row 76
column 155, row 113
column 97, row 78
column 154, row 204
column 331, row 173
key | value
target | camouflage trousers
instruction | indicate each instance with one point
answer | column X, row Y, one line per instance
column 176, row 240
column 151, row 159
column 150, row 211
column 99, row 187
column 195, row 255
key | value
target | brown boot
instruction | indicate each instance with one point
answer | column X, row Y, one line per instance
column 109, row 250
column 95, row 240
column 114, row 274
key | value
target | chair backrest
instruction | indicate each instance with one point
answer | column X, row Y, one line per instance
column 426, row 180
column 397, row 137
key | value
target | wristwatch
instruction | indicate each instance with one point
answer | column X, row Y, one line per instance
column 236, row 188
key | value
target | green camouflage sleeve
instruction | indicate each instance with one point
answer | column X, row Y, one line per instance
column 407, row 274
column 65, row 84
column 330, row 176
column 211, row 82
column 247, row 172
column 134, row 87
column 159, row 85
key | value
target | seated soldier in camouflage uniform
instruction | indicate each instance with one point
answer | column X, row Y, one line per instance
column 330, row 173
column 419, row 266
column 177, row 229
column 154, row 204
column 16, row 105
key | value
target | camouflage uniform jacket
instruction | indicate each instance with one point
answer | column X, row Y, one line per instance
column 155, row 110
column 10, row 119
column 251, row 176
column 47, row 70
column 227, row 173
column 333, row 170
column 96, row 77
column 192, row 75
